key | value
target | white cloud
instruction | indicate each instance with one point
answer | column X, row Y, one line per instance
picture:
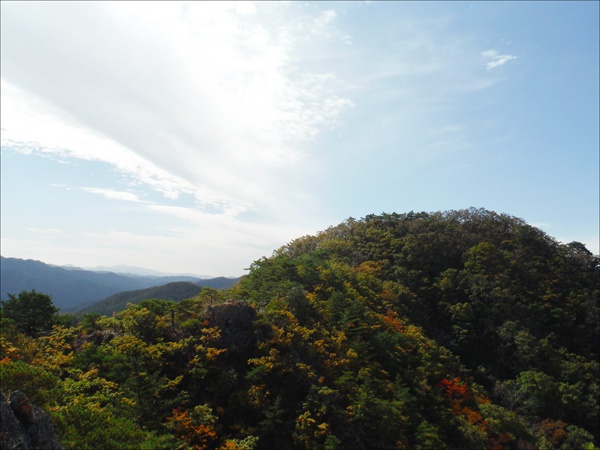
column 201, row 98
column 33, row 126
column 65, row 187
column 114, row 195
column 540, row 224
column 496, row 59
column 42, row 230
column 323, row 21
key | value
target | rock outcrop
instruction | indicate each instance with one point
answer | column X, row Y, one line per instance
column 25, row 426
column 97, row 337
column 234, row 319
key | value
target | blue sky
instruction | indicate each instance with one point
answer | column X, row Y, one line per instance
column 198, row 137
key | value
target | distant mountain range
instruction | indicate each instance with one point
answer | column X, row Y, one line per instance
column 73, row 289
column 176, row 291
column 141, row 271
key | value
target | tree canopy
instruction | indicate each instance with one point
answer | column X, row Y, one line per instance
column 32, row 312
column 458, row 329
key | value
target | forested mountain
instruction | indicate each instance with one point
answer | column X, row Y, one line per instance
column 176, row 291
column 459, row 329
column 72, row 288
column 218, row 282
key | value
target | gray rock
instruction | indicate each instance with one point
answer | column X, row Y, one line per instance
column 234, row 319
column 25, row 426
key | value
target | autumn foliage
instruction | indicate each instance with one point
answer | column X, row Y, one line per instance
column 462, row 329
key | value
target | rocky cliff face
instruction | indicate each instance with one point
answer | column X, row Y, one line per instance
column 25, row 426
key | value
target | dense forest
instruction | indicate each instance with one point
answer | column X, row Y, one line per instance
column 459, row 329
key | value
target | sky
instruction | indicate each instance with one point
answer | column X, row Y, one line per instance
column 198, row 137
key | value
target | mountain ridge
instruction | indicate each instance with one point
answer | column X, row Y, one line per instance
column 73, row 288
column 175, row 291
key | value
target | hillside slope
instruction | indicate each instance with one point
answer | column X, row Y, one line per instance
column 519, row 309
column 458, row 329
column 175, row 291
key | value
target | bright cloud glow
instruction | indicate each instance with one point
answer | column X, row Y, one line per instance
column 206, row 92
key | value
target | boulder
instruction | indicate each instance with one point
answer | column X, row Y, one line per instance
column 234, row 319
column 25, row 426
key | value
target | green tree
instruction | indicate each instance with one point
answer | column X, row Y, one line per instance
column 32, row 312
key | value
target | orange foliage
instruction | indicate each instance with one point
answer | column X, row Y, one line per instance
column 458, row 393
column 9, row 351
column 553, row 430
column 504, row 440
column 391, row 321
column 199, row 436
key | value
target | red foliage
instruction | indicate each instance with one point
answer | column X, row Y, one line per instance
column 455, row 389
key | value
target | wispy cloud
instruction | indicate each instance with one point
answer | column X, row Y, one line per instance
column 114, row 195
column 201, row 98
column 322, row 23
column 42, row 230
column 496, row 60
column 540, row 224
column 65, row 187
column 33, row 126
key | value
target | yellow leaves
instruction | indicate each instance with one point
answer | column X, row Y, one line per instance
column 213, row 353
column 281, row 337
column 323, row 427
column 210, row 335
column 305, row 419
column 91, row 389
column 306, row 369
column 324, row 273
column 339, row 338
column 127, row 343
column 130, row 402
column 269, row 362
column 248, row 443
column 312, row 298
column 309, row 432
column 54, row 351
column 321, row 346
column 257, row 395
column 90, row 374
column 372, row 268
column 25, row 346
column 172, row 384
column 414, row 332
column 8, row 352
